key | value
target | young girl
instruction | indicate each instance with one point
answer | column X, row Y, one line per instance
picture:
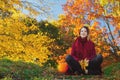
column 83, row 50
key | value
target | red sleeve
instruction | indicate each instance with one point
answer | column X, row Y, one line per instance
column 73, row 51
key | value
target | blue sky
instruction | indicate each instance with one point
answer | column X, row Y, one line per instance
column 54, row 5
column 56, row 9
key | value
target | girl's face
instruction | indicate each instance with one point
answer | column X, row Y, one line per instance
column 83, row 33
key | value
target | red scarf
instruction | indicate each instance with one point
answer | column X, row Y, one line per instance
column 83, row 40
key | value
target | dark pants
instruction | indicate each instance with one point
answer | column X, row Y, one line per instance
column 94, row 67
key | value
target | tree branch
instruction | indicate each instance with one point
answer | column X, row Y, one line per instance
column 119, row 33
column 110, row 30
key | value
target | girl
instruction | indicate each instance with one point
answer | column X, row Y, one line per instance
column 83, row 58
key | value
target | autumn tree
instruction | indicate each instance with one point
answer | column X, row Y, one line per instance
column 102, row 17
column 20, row 40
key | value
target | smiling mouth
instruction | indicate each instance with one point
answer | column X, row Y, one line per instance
column 83, row 34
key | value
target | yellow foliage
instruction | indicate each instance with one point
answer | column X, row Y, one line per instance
column 105, row 54
column 98, row 50
column 84, row 63
column 16, row 45
column 118, row 52
column 103, row 2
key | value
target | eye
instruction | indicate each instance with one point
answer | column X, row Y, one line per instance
column 83, row 31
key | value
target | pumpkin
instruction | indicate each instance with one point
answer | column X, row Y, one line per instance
column 62, row 67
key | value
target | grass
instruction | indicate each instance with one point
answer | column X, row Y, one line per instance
column 18, row 70
column 112, row 72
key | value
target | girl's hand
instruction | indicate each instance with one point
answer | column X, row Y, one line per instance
column 84, row 63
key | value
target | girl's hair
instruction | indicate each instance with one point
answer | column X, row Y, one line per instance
column 86, row 29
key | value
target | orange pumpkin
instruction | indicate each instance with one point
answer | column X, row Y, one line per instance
column 62, row 67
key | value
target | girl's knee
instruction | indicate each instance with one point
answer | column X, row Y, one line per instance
column 99, row 58
column 68, row 58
